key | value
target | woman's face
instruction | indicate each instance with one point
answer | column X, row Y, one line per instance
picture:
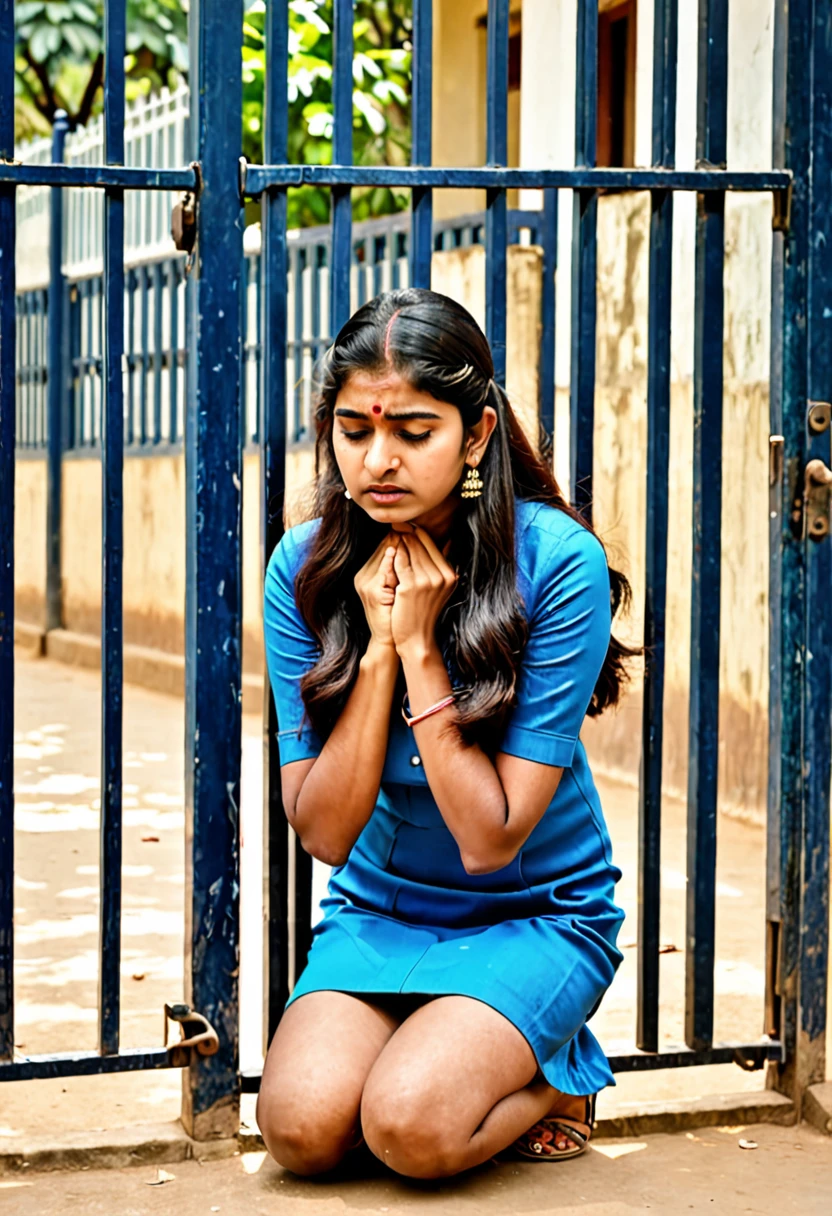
column 401, row 452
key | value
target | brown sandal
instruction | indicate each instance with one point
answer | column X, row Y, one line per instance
column 537, row 1144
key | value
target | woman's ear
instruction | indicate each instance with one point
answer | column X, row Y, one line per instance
column 480, row 434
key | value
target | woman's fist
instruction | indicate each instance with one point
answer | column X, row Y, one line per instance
column 425, row 583
column 376, row 584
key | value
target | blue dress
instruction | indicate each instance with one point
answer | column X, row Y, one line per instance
column 535, row 940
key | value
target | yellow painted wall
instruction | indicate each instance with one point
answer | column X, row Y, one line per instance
column 459, row 93
column 30, row 540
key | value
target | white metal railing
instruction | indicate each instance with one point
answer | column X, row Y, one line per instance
column 156, row 135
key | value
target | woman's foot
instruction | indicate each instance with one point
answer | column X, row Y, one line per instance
column 548, row 1139
column 571, row 1110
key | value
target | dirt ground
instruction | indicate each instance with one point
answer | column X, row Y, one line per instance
column 56, row 915
column 703, row 1172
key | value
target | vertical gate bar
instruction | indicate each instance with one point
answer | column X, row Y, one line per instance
column 144, row 360
column 792, row 149
column 496, row 219
column 112, row 540
column 584, row 262
column 273, row 391
column 7, row 437
column 157, row 352
column 814, row 879
column 131, row 355
column 665, row 30
column 298, row 264
column 341, row 257
column 711, row 142
column 55, row 435
column 421, row 203
column 771, row 1020
column 173, row 350
column 549, row 265
column 213, row 467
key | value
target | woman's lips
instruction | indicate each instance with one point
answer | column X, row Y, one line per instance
column 387, row 496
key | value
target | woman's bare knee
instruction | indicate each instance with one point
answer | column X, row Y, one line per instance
column 303, row 1140
column 403, row 1128
column 308, row 1106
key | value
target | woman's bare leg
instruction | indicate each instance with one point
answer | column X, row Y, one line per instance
column 455, row 1084
column 316, row 1067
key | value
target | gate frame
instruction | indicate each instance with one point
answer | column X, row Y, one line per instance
column 802, row 350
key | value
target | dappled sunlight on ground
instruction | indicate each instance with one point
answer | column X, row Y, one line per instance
column 57, row 758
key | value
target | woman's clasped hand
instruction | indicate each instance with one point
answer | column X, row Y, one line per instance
column 403, row 587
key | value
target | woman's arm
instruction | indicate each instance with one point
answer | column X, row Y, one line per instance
column 492, row 808
column 328, row 800
column 329, row 789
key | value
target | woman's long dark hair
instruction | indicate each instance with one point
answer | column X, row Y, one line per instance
column 437, row 346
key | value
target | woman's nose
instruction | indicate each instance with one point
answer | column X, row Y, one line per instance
column 379, row 458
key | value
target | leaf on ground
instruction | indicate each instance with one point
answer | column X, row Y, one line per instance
column 150, row 839
column 162, row 1176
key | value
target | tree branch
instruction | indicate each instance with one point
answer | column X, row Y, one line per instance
column 93, row 85
column 47, row 104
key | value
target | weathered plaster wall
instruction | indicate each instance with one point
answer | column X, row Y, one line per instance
column 30, row 540
column 154, row 497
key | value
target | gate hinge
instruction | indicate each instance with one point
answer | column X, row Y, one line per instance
column 195, row 1031
column 781, row 201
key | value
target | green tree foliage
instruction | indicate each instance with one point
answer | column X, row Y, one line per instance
column 60, row 56
column 60, row 64
column 381, row 97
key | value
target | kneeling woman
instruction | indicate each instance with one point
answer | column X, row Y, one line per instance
column 435, row 636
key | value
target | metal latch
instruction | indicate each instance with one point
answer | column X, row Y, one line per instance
column 817, row 487
column 183, row 223
column 194, row 1030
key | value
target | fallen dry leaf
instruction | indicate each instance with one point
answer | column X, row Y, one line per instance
column 139, row 975
column 161, row 1177
column 150, row 839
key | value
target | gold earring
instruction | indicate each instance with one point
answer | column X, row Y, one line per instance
column 472, row 485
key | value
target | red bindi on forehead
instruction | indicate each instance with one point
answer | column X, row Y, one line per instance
column 376, row 409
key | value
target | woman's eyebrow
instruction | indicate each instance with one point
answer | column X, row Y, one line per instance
column 343, row 412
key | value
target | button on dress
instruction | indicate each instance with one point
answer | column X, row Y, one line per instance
column 535, row 940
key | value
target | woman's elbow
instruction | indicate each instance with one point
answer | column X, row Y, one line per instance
column 485, row 863
column 327, row 851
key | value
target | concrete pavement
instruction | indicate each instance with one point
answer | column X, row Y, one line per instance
column 56, row 915
column 703, row 1173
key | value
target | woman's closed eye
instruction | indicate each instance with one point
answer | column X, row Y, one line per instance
column 408, row 436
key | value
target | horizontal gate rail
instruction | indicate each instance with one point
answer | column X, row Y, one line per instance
column 257, row 178
column 254, row 179
column 124, row 176
column 83, row 1064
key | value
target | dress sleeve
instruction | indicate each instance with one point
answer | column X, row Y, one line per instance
column 569, row 635
column 290, row 651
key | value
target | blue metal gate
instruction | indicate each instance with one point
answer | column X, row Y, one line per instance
column 801, row 641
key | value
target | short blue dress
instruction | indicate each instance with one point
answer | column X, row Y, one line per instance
column 535, row 940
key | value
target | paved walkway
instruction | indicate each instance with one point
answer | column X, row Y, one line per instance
column 56, row 915
column 704, row 1173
